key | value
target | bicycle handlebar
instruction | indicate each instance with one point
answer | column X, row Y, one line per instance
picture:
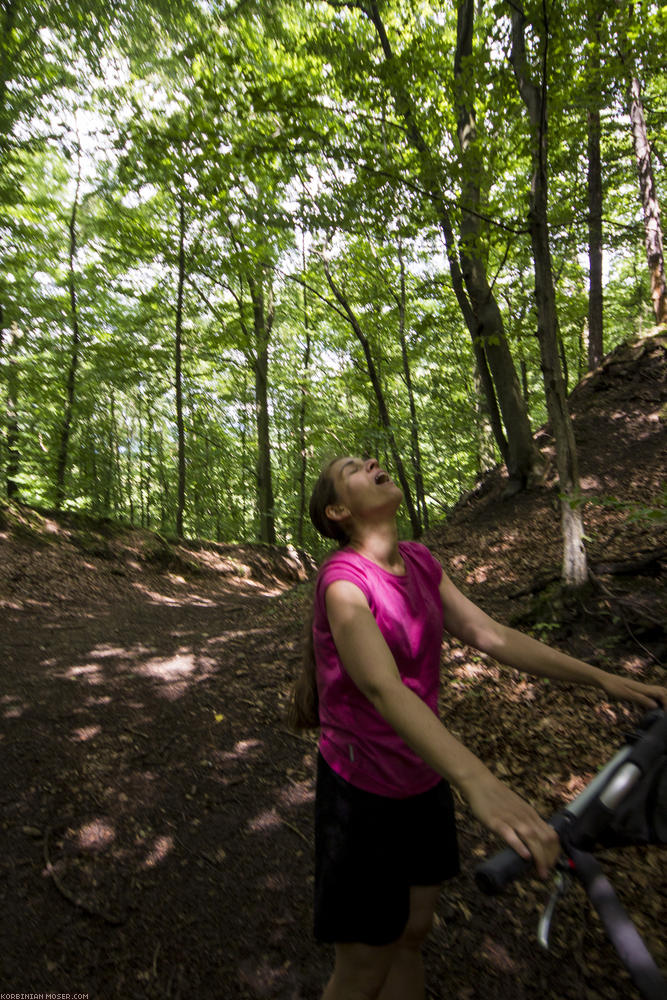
column 497, row 872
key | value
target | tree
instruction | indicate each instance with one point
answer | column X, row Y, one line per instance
column 73, row 364
column 595, row 294
column 385, row 419
column 574, row 570
column 475, row 296
column 650, row 205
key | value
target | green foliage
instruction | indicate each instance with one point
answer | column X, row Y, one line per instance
column 271, row 126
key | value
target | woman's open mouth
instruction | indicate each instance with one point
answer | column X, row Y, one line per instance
column 381, row 477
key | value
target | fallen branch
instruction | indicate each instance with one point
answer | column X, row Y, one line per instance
column 630, row 566
column 69, row 895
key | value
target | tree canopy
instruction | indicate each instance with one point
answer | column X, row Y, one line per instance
column 238, row 238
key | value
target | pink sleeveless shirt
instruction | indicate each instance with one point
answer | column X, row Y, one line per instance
column 354, row 738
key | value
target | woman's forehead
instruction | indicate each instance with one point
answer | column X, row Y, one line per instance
column 341, row 464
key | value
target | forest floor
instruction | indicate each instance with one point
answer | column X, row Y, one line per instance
column 157, row 814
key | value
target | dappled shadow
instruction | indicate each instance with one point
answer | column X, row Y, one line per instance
column 154, row 806
column 158, row 816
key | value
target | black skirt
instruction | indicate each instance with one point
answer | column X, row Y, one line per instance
column 369, row 850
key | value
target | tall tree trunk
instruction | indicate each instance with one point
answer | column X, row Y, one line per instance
column 650, row 205
column 117, row 472
column 129, row 446
column 149, row 467
column 70, row 385
column 595, row 295
column 420, row 496
column 478, row 305
column 262, row 324
column 484, row 435
column 385, row 420
column 303, row 451
column 574, row 570
column 178, row 369
column 12, row 434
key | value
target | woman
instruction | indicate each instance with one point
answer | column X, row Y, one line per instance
column 384, row 829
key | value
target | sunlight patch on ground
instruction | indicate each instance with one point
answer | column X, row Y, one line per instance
column 105, row 651
column 470, row 671
column 85, row 733
column 159, row 851
column 241, row 749
column 590, row 483
column 633, row 665
column 178, row 600
column 90, row 672
column 574, row 786
column 96, row 835
column 230, row 635
column 479, row 575
column 266, row 820
column 170, row 669
column 497, row 955
column 297, row 794
column 15, row 707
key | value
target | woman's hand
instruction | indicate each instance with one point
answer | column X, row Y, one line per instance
column 513, row 819
column 625, row 689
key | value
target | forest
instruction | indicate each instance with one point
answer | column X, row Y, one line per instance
column 239, row 237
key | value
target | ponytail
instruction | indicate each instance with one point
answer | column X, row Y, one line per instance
column 303, row 709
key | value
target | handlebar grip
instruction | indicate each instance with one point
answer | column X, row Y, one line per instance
column 494, row 874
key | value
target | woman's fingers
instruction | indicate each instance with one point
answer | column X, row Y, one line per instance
column 504, row 812
column 646, row 695
column 543, row 843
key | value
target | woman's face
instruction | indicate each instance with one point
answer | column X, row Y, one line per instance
column 363, row 488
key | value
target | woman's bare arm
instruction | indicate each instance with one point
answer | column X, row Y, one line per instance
column 470, row 624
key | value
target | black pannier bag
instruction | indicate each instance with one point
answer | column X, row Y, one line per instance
column 640, row 816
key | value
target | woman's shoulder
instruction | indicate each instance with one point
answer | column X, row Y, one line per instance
column 417, row 550
column 419, row 554
column 342, row 564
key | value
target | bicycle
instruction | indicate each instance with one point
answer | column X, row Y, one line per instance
column 625, row 803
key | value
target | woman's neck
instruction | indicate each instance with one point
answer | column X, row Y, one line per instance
column 379, row 543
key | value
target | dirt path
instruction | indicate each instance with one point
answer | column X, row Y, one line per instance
column 157, row 815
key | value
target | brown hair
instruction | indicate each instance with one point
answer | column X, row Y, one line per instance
column 303, row 710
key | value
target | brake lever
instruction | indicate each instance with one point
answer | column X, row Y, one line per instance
column 563, row 881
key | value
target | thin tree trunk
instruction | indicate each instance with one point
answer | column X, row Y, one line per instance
column 70, row 384
column 303, row 451
column 149, row 467
column 484, row 435
column 178, row 365
column 420, row 495
column 142, row 503
column 574, row 570
column 117, row 471
column 262, row 324
column 128, row 468
column 381, row 404
column 478, row 305
column 595, row 294
column 650, row 205
column 12, row 439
